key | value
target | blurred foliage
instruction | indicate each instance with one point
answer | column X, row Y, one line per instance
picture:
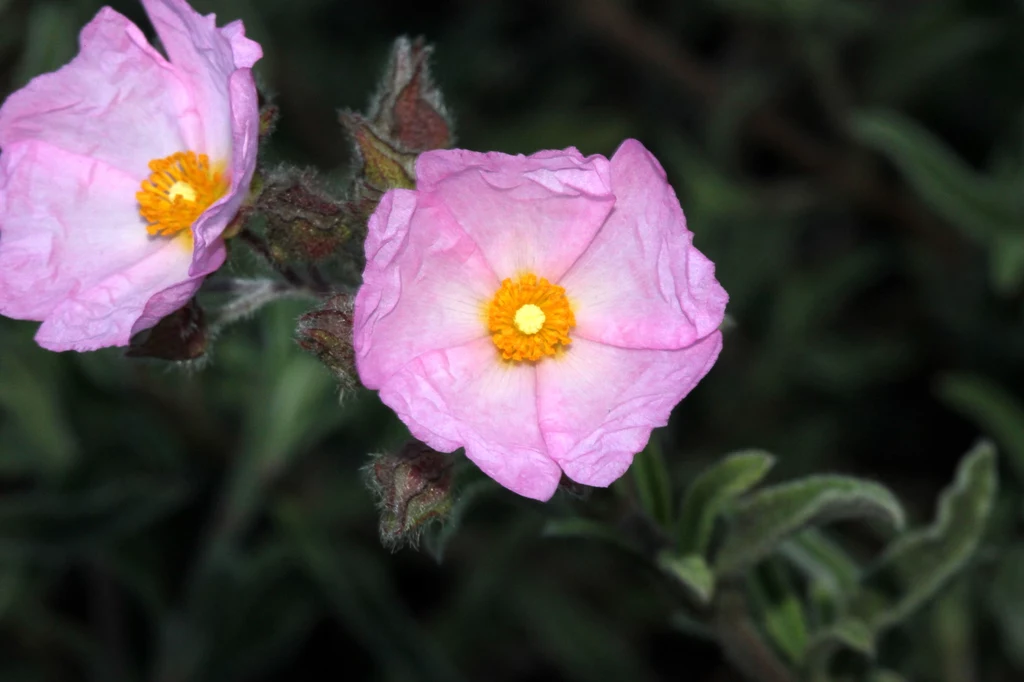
column 854, row 169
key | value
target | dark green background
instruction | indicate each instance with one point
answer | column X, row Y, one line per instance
column 173, row 525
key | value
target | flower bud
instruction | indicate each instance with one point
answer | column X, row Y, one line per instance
column 304, row 224
column 385, row 166
column 409, row 110
column 414, row 489
column 181, row 336
column 327, row 333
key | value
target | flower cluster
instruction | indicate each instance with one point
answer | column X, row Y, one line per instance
column 543, row 312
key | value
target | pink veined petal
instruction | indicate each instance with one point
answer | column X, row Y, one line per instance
column 110, row 312
column 641, row 283
column 527, row 213
column 118, row 101
column 67, row 223
column 205, row 57
column 209, row 248
column 464, row 396
column 598, row 403
column 425, row 287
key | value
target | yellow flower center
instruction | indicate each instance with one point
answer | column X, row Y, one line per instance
column 529, row 318
column 179, row 189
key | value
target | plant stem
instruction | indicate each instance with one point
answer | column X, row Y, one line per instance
column 741, row 642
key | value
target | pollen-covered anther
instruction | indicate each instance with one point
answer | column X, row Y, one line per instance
column 180, row 187
column 530, row 318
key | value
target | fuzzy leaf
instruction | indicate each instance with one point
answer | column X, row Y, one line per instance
column 693, row 572
column 849, row 633
column 384, row 166
column 919, row 563
column 576, row 527
column 994, row 409
column 712, row 490
column 981, row 207
column 781, row 610
column 652, row 483
column 761, row 522
column 822, row 560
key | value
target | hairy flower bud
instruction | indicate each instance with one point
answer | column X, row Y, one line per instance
column 409, row 109
column 304, row 223
column 327, row 332
column 181, row 336
column 414, row 489
column 385, row 165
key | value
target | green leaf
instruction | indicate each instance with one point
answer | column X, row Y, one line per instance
column 885, row 676
column 980, row 206
column 767, row 518
column 711, row 491
column 53, row 525
column 923, row 53
column 781, row 609
column 35, row 419
column 822, row 560
column 848, row 633
column 1007, row 263
column 652, row 483
column 576, row 527
column 995, row 410
column 919, row 563
column 49, row 40
column 1006, row 595
column 693, row 572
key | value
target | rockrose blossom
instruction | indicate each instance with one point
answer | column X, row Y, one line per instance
column 119, row 173
column 544, row 312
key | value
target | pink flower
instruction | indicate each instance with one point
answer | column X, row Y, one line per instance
column 544, row 312
column 120, row 172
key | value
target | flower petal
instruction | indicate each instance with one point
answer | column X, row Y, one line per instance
column 425, row 287
column 123, row 304
column 465, row 396
column 67, row 222
column 598, row 403
column 75, row 253
column 206, row 57
column 245, row 145
column 118, row 101
column 642, row 284
column 527, row 213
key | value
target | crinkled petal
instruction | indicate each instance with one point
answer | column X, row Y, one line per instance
column 123, row 304
column 118, row 101
column 206, row 57
column 217, row 65
column 75, row 253
column 425, row 287
column 599, row 403
column 209, row 227
column 464, row 396
column 641, row 283
column 67, row 222
column 527, row 213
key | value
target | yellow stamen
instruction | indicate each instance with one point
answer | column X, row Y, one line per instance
column 529, row 319
column 179, row 189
